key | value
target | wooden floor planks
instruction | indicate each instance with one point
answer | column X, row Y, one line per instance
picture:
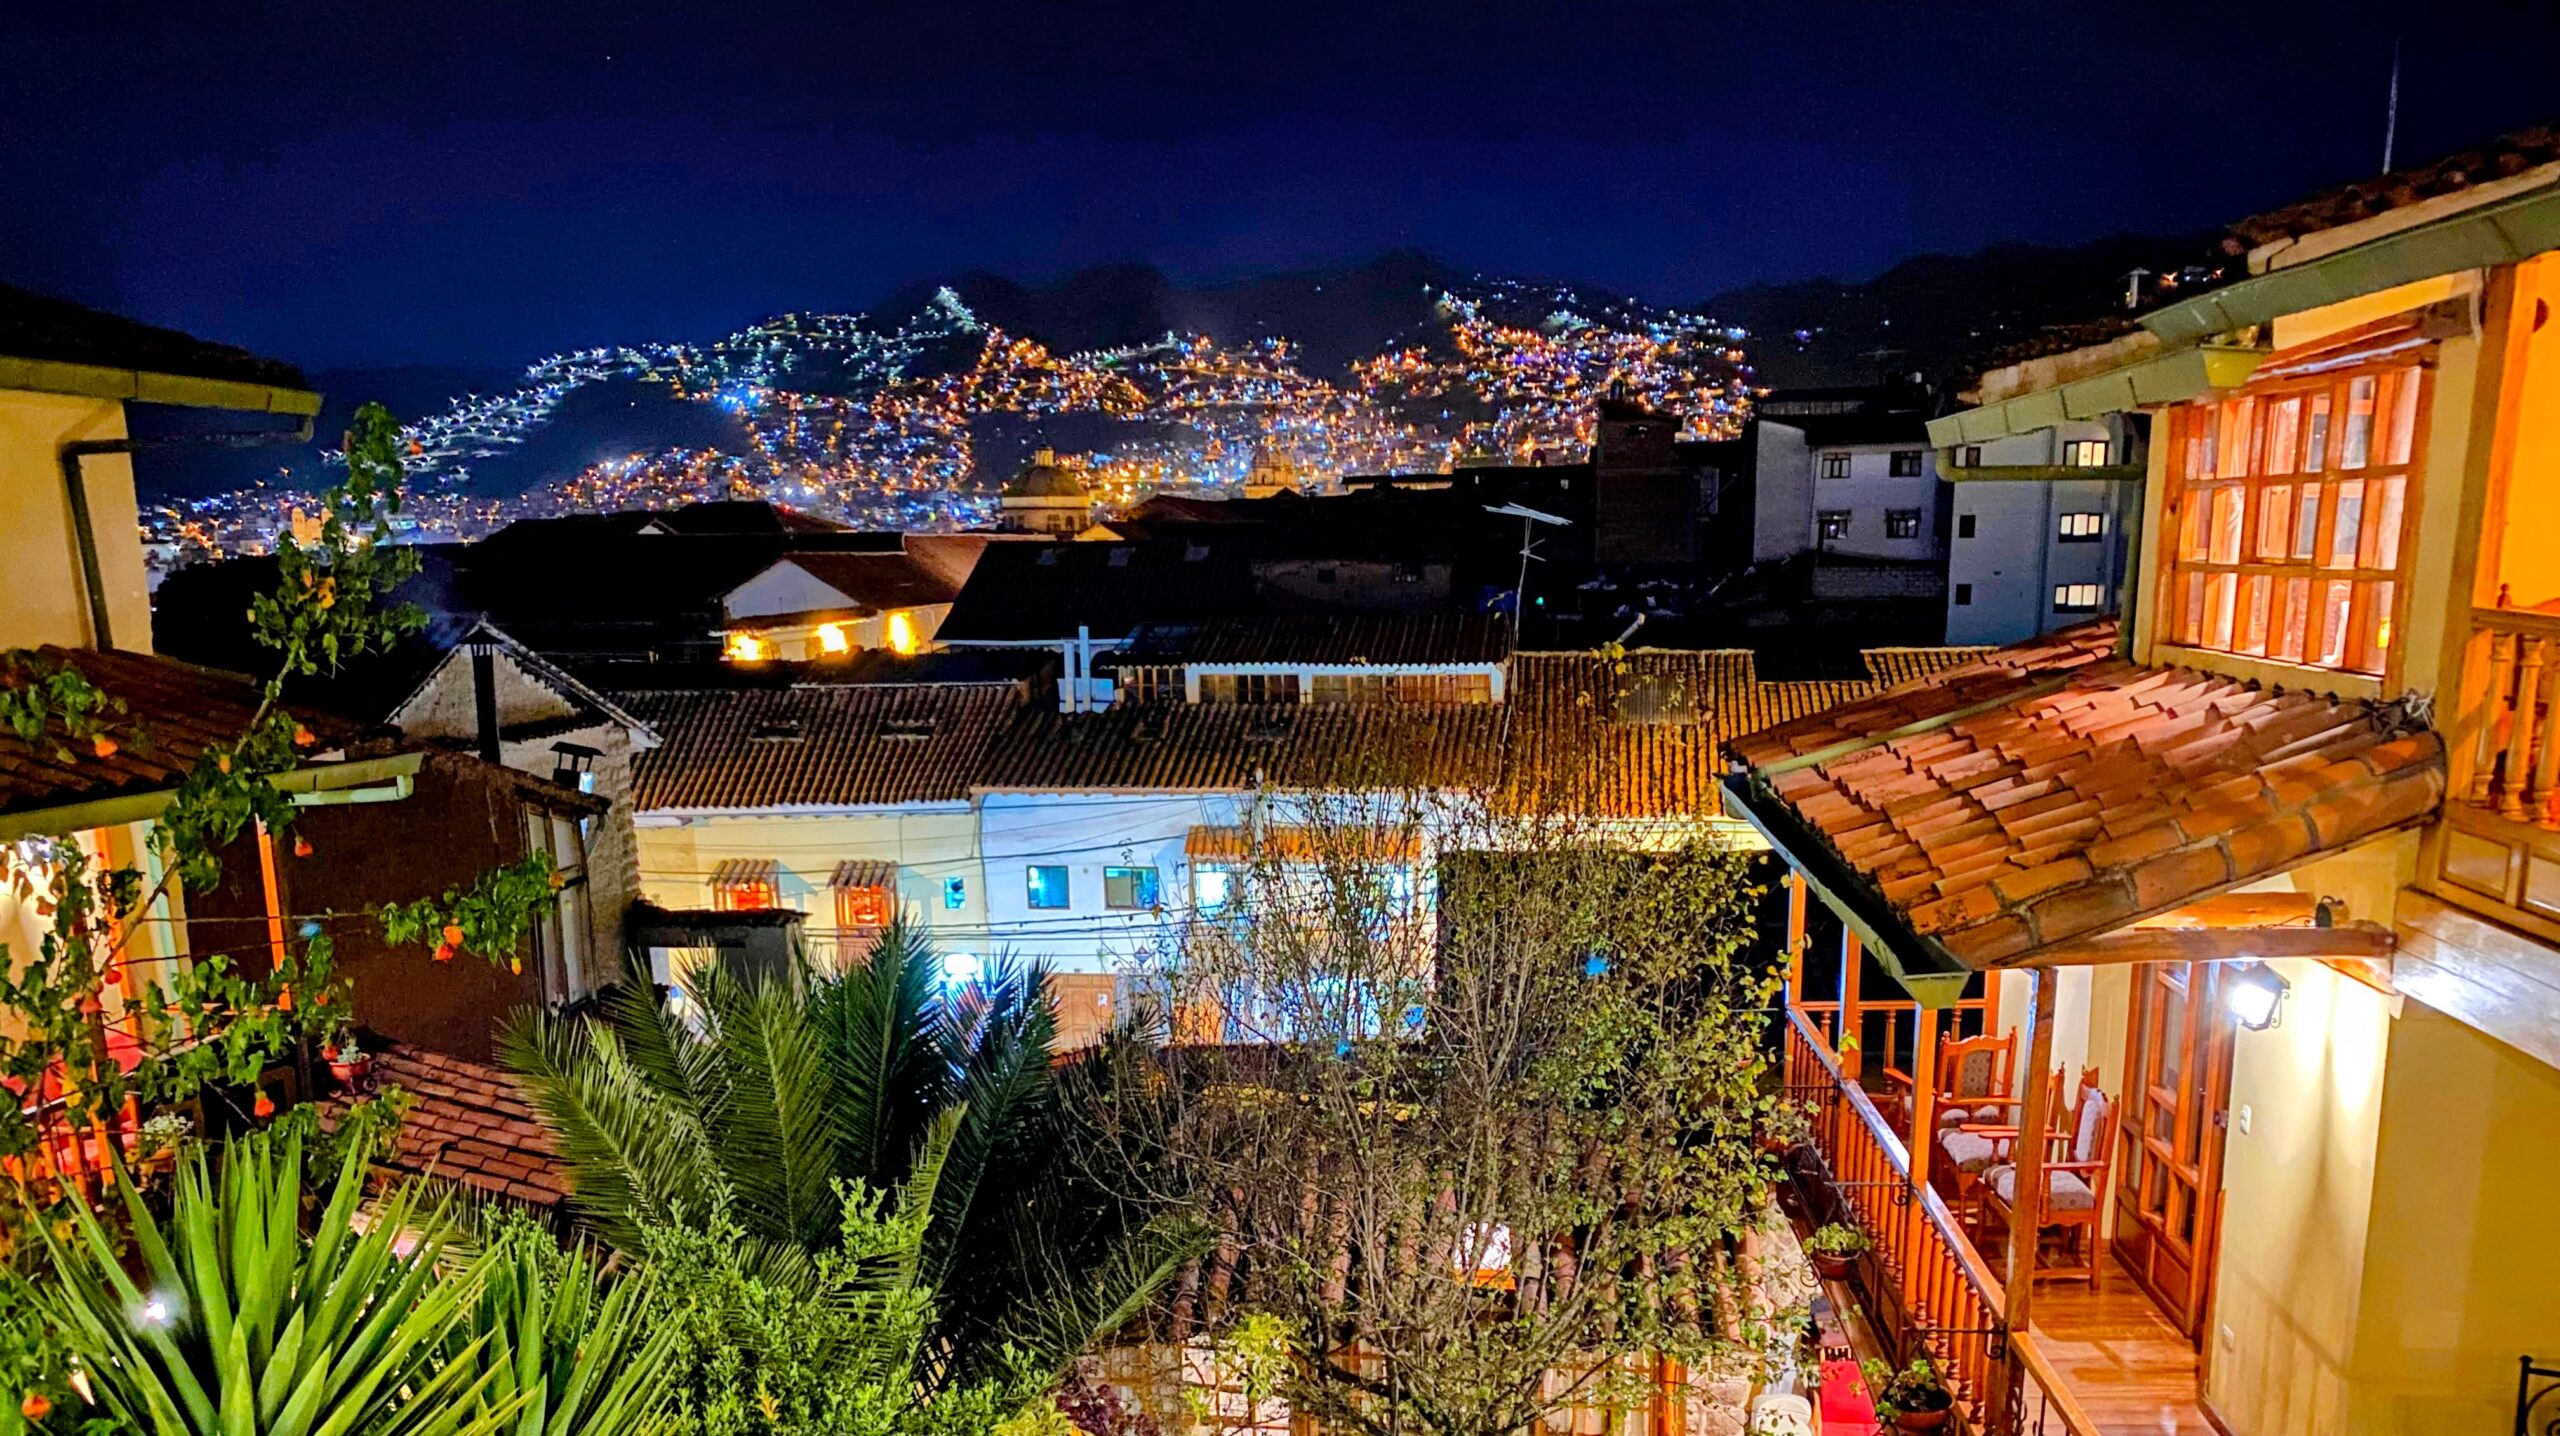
column 2129, row 1368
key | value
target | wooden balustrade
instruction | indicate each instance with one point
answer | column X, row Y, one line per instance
column 2514, row 750
column 1930, row 1287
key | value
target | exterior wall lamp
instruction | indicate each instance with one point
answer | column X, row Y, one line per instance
column 2255, row 995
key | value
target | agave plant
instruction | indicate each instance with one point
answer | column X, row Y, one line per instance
column 770, row 1092
column 372, row 1323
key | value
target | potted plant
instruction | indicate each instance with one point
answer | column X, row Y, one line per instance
column 1912, row 1399
column 350, row 1064
column 1783, row 1128
column 1834, row 1248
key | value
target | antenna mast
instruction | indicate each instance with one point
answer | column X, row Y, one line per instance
column 2391, row 112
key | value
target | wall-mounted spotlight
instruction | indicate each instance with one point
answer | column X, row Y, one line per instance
column 2255, row 994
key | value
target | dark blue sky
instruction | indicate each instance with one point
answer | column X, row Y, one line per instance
column 480, row 182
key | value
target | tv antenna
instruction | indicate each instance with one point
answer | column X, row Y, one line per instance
column 2391, row 110
column 1529, row 520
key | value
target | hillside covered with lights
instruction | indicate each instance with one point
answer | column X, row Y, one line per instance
column 910, row 415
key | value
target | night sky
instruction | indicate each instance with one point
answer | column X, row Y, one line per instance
column 471, row 182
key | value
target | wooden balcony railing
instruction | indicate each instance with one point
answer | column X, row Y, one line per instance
column 2514, row 750
column 1928, row 1289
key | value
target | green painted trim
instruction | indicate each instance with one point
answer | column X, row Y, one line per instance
column 2035, row 473
column 2161, row 379
column 400, row 770
column 1925, row 969
column 2505, row 232
column 141, row 386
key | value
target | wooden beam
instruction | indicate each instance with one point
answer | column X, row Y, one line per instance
column 1852, row 1044
column 1795, row 937
column 2241, row 910
column 2018, row 1277
column 2214, row 944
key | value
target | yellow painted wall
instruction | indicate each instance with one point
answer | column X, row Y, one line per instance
column 928, row 846
column 42, row 598
column 2462, row 1266
column 2298, row 1198
column 2527, row 561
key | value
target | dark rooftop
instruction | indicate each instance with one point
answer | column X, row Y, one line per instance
column 34, row 326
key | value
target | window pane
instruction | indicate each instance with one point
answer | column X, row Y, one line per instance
column 2306, row 522
column 2232, row 436
column 2275, row 517
column 2335, row 598
column 2359, row 441
column 2385, row 528
column 2284, row 435
column 2404, row 417
column 2191, row 528
column 2191, row 610
column 2254, row 593
column 2297, row 620
column 1047, row 887
column 2225, row 536
column 2377, row 645
column 2346, row 525
column 2315, row 448
column 2222, row 592
column 1128, row 887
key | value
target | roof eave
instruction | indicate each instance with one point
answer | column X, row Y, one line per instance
column 1932, row 975
column 144, row 386
column 2158, row 379
column 2505, row 231
column 140, row 807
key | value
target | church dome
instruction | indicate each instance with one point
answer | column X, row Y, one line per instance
column 1043, row 479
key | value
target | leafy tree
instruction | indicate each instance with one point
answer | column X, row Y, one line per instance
column 765, row 1097
column 232, row 1319
column 1488, row 1139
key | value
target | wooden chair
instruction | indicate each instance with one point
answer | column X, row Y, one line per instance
column 1973, row 1073
column 2080, row 1146
column 1969, row 1149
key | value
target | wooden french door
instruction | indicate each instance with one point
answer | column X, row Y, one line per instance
column 2177, row 1097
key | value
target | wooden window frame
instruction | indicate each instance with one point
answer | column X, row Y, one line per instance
column 862, row 909
column 2244, row 604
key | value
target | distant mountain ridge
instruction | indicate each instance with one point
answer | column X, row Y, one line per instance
column 1934, row 313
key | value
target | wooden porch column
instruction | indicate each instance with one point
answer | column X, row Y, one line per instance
column 2018, row 1273
column 1795, row 938
column 1924, row 1095
column 1850, row 1045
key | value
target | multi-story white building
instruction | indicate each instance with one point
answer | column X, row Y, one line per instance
column 2040, row 528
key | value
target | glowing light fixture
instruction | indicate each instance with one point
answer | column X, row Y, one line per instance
column 2255, row 995
column 745, row 648
column 831, row 638
column 902, row 634
column 959, row 969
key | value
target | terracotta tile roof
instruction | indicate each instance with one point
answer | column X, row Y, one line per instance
column 837, row 745
column 172, row 713
column 468, row 1123
column 2501, row 158
column 2066, row 792
column 1189, row 746
column 1887, row 667
column 1640, row 737
column 1353, row 638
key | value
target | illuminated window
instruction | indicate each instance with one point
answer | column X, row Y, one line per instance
column 2287, row 517
column 2080, row 528
column 747, row 648
column 1835, row 466
column 901, row 633
column 2086, row 453
column 1212, row 888
column 862, row 907
column 1045, row 887
column 746, row 885
column 1902, row 523
column 1834, row 523
column 2077, row 597
column 831, row 639
column 955, row 894
column 1906, row 463
column 1126, row 889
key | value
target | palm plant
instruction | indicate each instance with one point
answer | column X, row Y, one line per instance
column 772, row 1091
column 374, row 1323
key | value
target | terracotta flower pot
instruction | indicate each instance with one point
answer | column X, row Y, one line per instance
column 1923, row 1420
column 1834, row 1266
column 354, row 1074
